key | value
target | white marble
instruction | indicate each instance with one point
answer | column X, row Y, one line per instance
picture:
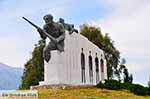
column 65, row 67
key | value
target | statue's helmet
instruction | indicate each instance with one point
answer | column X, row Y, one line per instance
column 48, row 18
column 61, row 20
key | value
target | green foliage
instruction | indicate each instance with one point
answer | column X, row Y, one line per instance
column 126, row 85
column 116, row 85
column 112, row 84
column 127, row 78
column 126, row 75
column 149, row 83
column 148, row 91
column 34, row 68
column 139, row 90
column 100, row 85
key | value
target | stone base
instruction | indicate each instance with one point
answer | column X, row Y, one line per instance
column 61, row 86
column 65, row 67
column 53, row 69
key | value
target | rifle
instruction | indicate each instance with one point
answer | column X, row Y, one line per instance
column 50, row 37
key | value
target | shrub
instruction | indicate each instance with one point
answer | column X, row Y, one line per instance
column 112, row 84
column 148, row 89
column 116, row 85
column 126, row 86
column 100, row 85
column 139, row 90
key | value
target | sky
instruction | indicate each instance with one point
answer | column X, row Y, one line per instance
column 126, row 21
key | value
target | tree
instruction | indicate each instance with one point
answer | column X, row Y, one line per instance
column 34, row 68
column 131, row 78
column 112, row 54
column 105, row 43
column 149, row 82
column 126, row 75
column 123, row 71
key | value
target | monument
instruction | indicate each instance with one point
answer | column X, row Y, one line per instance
column 70, row 58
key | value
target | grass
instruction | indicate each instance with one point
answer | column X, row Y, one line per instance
column 87, row 93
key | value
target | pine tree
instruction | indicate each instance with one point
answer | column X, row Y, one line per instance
column 149, row 82
column 34, row 68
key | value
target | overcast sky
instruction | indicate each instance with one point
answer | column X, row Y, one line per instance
column 127, row 22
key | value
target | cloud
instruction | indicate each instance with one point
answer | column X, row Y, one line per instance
column 128, row 24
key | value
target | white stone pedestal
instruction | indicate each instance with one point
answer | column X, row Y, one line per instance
column 65, row 67
column 52, row 69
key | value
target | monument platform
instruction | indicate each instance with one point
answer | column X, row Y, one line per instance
column 65, row 68
column 61, row 86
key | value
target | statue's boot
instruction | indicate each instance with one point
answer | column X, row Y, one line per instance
column 47, row 55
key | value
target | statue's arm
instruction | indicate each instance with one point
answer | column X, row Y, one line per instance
column 73, row 29
column 42, row 35
column 62, row 31
column 61, row 38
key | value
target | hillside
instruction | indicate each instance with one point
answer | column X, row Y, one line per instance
column 89, row 93
column 10, row 77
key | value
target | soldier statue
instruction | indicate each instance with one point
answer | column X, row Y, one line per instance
column 55, row 31
column 69, row 27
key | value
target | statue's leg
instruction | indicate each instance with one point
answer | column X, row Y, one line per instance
column 46, row 51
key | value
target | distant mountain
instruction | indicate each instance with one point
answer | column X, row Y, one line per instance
column 10, row 77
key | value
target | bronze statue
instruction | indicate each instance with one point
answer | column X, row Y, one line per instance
column 55, row 32
column 69, row 27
